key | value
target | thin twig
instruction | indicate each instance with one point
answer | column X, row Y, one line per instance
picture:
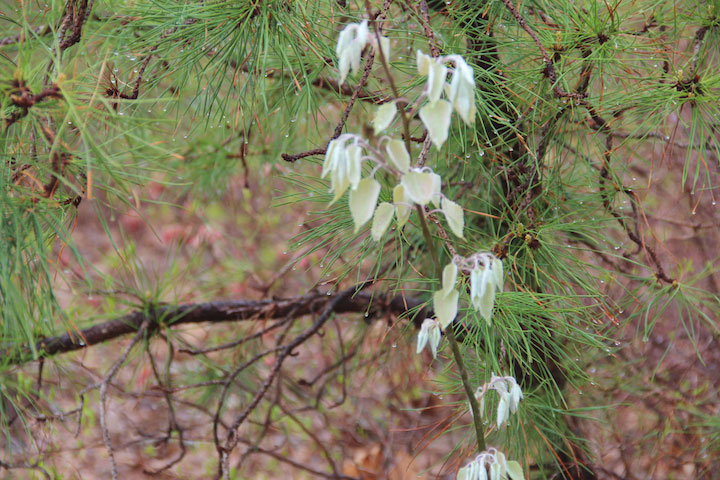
column 103, row 394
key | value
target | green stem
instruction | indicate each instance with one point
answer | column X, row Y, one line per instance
column 450, row 334
column 474, row 407
column 429, row 240
column 391, row 81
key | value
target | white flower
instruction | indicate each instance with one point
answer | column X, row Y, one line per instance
column 351, row 42
column 509, row 392
column 460, row 93
column 429, row 333
column 462, row 89
column 343, row 164
column 494, row 461
column 485, row 279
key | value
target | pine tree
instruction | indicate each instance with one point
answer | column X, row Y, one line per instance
column 480, row 174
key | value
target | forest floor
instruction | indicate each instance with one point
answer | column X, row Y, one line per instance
column 662, row 413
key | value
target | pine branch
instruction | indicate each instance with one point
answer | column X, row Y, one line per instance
column 212, row 312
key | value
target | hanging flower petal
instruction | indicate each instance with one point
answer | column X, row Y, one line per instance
column 437, row 73
column 423, row 63
column 354, row 165
column 515, row 471
column 462, row 90
column 503, row 409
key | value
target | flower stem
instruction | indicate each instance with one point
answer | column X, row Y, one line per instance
column 428, row 239
column 450, row 334
column 474, row 408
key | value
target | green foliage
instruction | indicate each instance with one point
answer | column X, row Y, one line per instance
column 186, row 96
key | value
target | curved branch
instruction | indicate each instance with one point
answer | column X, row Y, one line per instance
column 212, row 312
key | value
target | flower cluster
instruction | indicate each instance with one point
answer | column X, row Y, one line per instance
column 491, row 465
column 510, row 395
column 351, row 42
column 486, row 278
column 418, row 186
column 460, row 93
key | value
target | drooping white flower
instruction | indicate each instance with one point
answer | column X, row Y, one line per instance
column 350, row 44
column 486, row 278
column 460, row 94
column 344, row 165
column 491, row 465
column 462, row 89
column 510, row 395
column 429, row 334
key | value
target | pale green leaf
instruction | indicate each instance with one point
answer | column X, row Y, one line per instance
column 436, row 118
column 514, row 469
column 384, row 116
column 398, row 155
column 401, row 201
column 362, row 201
column 381, row 220
column 454, row 216
column 445, row 305
column 449, row 277
column 420, row 186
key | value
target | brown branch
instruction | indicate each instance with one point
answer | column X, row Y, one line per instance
column 549, row 66
column 211, row 312
column 231, row 436
column 74, row 19
column 20, row 37
column 341, row 124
